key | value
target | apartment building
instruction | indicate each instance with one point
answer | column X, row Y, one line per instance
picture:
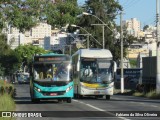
column 40, row 31
column 14, row 40
column 58, row 41
column 34, row 36
column 132, row 26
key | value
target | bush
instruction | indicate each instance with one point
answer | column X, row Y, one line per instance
column 126, row 92
column 7, row 88
column 153, row 95
column 138, row 94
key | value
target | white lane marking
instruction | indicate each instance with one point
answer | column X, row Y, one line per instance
column 95, row 107
column 99, row 109
column 132, row 102
column 141, row 103
column 154, row 106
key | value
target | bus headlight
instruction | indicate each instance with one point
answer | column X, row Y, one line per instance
column 39, row 90
column 69, row 88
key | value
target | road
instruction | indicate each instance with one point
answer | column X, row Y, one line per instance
column 87, row 108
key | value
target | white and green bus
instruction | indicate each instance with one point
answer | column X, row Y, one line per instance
column 93, row 73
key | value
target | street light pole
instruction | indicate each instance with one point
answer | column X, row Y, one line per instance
column 88, row 34
column 103, row 24
column 88, row 41
column 158, row 47
column 121, row 35
column 103, row 37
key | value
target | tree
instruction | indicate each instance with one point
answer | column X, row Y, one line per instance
column 145, row 27
column 3, row 45
column 9, row 62
column 22, row 14
column 26, row 52
column 106, row 10
column 8, row 58
column 25, row 14
column 61, row 13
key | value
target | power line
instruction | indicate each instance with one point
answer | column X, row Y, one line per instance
column 129, row 3
column 132, row 4
column 125, row 3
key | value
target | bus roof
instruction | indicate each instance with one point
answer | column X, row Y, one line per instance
column 94, row 53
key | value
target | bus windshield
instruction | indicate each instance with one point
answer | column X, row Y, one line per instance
column 96, row 70
column 58, row 71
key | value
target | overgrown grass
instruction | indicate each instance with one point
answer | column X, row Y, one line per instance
column 126, row 91
column 3, row 83
column 6, row 101
column 7, row 104
column 138, row 94
column 153, row 95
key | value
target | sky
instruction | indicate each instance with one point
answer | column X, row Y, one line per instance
column 143, row 10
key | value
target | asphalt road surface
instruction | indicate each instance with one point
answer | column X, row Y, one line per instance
column 120, row 107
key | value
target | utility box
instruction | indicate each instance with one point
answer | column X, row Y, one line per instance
column 149, row 72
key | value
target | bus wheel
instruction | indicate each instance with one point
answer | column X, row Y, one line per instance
column 69, row 100
column 107, row 97
column 35, row 100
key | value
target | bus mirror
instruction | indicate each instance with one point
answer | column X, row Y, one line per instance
column 114, row 66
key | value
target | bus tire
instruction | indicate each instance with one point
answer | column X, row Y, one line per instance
column 108, row 97
column 69, row 100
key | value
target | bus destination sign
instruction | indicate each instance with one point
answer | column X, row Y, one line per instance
column 48, row 59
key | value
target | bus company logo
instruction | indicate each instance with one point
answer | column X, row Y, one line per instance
column 6, row 114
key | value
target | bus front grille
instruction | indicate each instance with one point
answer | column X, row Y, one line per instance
column 53, row 93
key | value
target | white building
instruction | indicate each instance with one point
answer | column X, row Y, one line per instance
column 14, row 40
column 35, row 36
column 40, row 31
column 58, row 41
column 132, row 26
column 41, row 36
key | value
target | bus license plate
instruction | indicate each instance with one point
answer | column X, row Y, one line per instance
column 96, row 92
column 53, row 94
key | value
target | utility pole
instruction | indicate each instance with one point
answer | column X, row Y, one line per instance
column 102, row 32
column 88, row 41
column 103, row 37
column 158, row 48
column 121, row 36
column 70, row 50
